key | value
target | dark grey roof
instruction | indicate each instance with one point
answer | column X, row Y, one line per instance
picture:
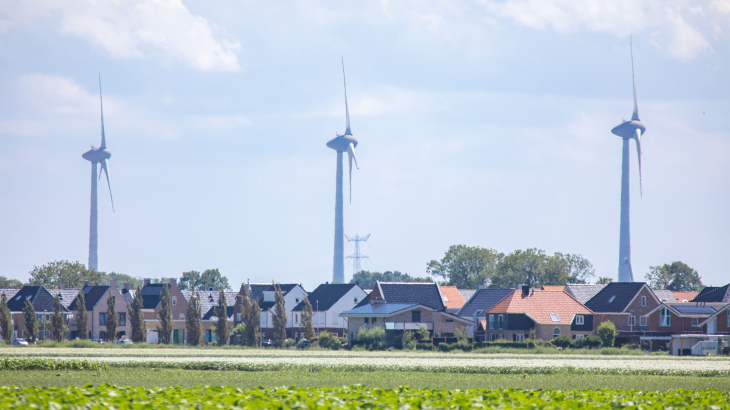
column 378, row 309
column 67, row 295
column 40, row 298
column 211, row 312
column 209, row 300
column 9, row 292
column 583, row 292
column 421, row 293
column 92, row 295
column 151, row 295
column 664, row 295
column 615, row 297
column 483, row 299
column 715, row 294
column 327, row 295
column 694, row 309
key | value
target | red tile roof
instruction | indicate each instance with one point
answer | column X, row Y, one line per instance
column 554, row 288
column 539, row 304
column 452, row 297
column 682, row 296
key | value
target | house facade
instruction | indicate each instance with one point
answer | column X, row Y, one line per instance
column 96, row 299
column 151, row 294
column 263, row 294
column 42, row 301
column 550, row 313
column 718, row 323
column 328, row 301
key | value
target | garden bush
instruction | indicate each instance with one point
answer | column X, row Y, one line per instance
column 607, row 332
column 562, row 341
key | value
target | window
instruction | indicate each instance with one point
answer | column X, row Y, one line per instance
column 122, row 318
column 491, row 322
column 695, row 322
column 375, row 318
column 296, row 318
column 355, row 300
column 578, row 337
column 182, row 316
column 334, row 334
column 579, row 320
column 449, row 320
column 611, row 299
column 556, row 332
column 643, row 301
column 40, row 317
column 174, row 301
column 297, row 300
column 642, row 321
column 555, row 317
column 632, row 320
column 518, row 338
column 367, row 320
column 102, row 319
column 500, row 321
column 415, row 316
column 665, row 318
column 238, row 317
column 728, row 318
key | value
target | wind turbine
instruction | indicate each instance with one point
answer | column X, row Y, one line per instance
column 101, row 156
column 342, row 143
column 628, row 130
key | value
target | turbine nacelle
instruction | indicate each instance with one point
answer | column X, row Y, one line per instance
column 627, row 129
column 341, row 142
column 96, row 154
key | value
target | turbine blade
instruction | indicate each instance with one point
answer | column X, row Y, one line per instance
column 101, row 104
column 105, row 168
column 635, row 115
column 350, row 156
column 637, row 137
column 347, row 110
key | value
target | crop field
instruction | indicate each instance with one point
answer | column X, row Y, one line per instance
column 352, row 397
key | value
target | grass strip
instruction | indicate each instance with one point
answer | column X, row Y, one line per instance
column 19, row 364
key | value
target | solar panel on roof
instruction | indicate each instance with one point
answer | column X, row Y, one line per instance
column 695, row 309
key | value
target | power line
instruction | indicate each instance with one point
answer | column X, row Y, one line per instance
column 357, row 256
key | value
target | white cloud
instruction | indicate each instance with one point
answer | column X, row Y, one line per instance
column 135, row 29
column 219, row 122
column 56, row 95
column 685, row 42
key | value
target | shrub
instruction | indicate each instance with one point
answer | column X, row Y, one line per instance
column 607, row 332
column 409, row 340
column 372, row 337
column 547, row 344
column 424, row 346
column 289, row 343
column 562, row 341
column 587, row 342
column 327, row 341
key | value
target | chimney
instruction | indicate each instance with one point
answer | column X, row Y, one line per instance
column 112, row 284
column 173, row 282
column 62, row 286
column 126, row 285
column 525, row 290
column 480, row 287
column 146, row 282
column 86, row 283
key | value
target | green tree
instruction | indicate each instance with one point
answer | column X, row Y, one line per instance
column 250, row 315
column 31, row 321
column 409, row 340
column 82, row 317
column 466, row 266
column 136, row 317
column 307, row 324
column 423, row 334
column 221, row 311
column 120, row 279
column 211, row 278
column 6, row 283
column 328, row 341
column 279, row 318
column 604, row 280
column 193, row 320
column 164, row 331
column 6, row 320
column 57, row 326
column 367, row 279
column 111, row 318
column 533, row 266
column 73, row 274
column 676, row 276
column 607, row 332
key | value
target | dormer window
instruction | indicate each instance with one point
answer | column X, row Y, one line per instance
column 611, row 299
column 446, row 299
column 555, row 317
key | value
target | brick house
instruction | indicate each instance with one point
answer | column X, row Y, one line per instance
column 550, row 313
column 328, row 301
column 208, row 305
column 95, row 298
column 263, row 293
column 42, row 301
column 479, row 302
column 151, row 294
column 712, row 294
column 398, row 307
column 627, row 305
column 718, row 323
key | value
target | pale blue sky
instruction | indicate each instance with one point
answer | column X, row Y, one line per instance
column 484, row 123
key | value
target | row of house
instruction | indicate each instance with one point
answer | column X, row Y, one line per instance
column 660, row 318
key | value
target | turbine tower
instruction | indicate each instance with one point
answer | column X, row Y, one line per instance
column 628, row 130
column 342, row 143
column 96, row 156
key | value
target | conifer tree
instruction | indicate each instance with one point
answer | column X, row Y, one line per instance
column 307, row 325
column 6, row 320
column 221, row 311
column 57, row 326
column 82, row 317
column 250, row 316
column 193, row 318
column 31, row 321
column 111, row 318
column 164, row 331
column 279, row 318
column 136, row 319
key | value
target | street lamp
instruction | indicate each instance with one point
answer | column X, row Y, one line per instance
column 317, row 318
